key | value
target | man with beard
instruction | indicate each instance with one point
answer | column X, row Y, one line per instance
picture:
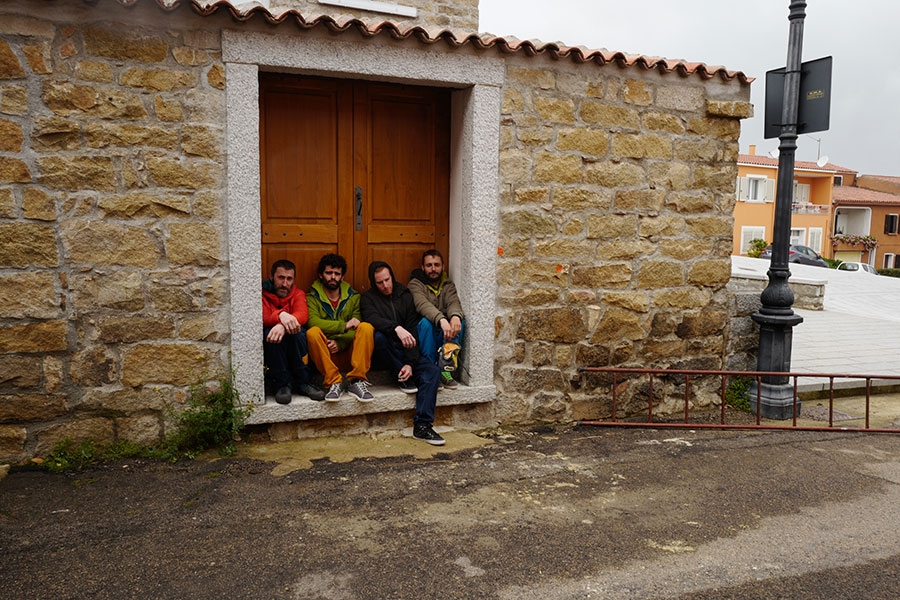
column 389, row 307
column 284, row 339
column 336, row 332
column 442, row 319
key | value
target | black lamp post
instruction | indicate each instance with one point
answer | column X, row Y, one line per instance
column 776, row 319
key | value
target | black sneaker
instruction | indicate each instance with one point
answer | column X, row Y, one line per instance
column 407, row 386
column 311, row 391
column 334, row 392
column 424, row 432
column 360, row 389
column 283, row 395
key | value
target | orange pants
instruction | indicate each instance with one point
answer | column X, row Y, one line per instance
column 329, row 365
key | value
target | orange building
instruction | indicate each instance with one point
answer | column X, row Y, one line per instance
column 869, row 208
column 811, row 212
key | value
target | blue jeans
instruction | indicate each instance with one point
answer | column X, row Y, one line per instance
column 284, row 360
column 431, row 337
column 388, row 354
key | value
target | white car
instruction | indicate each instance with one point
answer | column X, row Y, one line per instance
column 857, row 267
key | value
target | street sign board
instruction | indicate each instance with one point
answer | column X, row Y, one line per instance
column 814, row 108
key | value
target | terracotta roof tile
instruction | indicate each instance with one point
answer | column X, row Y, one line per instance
column 767, row 161
column 859, row 196
column 481, row 41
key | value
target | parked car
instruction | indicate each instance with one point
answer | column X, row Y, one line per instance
column 857, row 267
column 803, row 255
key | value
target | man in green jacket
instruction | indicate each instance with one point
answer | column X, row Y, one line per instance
column 336, row 331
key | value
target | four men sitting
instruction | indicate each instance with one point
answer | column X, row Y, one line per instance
column 406, row 327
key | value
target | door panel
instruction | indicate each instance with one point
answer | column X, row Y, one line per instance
column 357, row 168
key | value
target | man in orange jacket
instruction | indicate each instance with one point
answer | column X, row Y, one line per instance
column 284, row 314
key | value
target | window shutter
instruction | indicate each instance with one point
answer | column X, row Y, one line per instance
column 742, row 189
column 802, row 192
column 770, row 190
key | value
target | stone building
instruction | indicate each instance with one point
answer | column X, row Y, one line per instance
column 587, row 200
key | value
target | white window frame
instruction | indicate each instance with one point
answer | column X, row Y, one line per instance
column 750, row 233
column 801, row 240
column 888, row 261
column 896, row 219
column 814, row 235
column 762, row 186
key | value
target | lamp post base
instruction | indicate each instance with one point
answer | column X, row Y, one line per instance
column 775, row 400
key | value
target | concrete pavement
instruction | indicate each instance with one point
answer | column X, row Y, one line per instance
column 858, row 332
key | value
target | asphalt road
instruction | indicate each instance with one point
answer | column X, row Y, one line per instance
column 570, row 512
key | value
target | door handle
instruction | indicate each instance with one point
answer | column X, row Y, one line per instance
column 358, row 208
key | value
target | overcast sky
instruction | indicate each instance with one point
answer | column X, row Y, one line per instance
column 863, row 36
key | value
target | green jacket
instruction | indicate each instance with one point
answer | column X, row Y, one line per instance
column 333, row 321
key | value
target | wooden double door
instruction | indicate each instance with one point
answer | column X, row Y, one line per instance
column 352, row 167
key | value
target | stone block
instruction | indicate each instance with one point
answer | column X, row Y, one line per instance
column 537, row 272
column 158, row 80
column 627, row 145
column 700, row 150
column 564, row 248
column 664, row 122
column 669, row 176
column 615, row 174
column 190, row 57
column 570, row 199
column 532, row 195
column 636, row 92
column 515, row 166
column 92, row 70
column 66, row 99
column 10, row 67
column 171, row 298
column 13, row 170
column 526, row 378
column 46, row 336
column 716, row 128
column 204, row 328
column 202, row 141
column 624, row 249
column 707, row 227
column 117, row 290
column 38, row 57
column 664, row 324
column 552, row 407
column 145, row 430
column 610, row 117
column 555, row 110
column 125, row 401
column 701, row 324
column 513, row 101
column 557, row 168
column 174, row 364
column 134, row 328
column 612, row 226
column 12, row 443
column 527, row 224
column 175, row 173
column 20, row 408
column 617, row 324
column 102, row 135
column 592, row 142
column 535, row 136
column 661, row 351
column 144, row 204
column 20, row 372
column 11, row 136
column 639, row 200
column 124, row 44
column 38, row 205
column 532, row 78
column 29, row 295
column 681, row 97
column 528, row 297
column 660, row 274
column 633, row 301
column 690, row 202
column 13, row 100
column 614, row 275
column 93, row 429
column 737, row 110
column 93, row 367
column 215, row 77
column 564, row 324
column 684, row 249
column 715, row 178
column 7, row 203
column 193, row 244
column 106, row 243
column 684, row 298
column 573, row 228
column 665, row 226
column 714, row 273
column 55, row 133
column 77, row 173
column 168, row 111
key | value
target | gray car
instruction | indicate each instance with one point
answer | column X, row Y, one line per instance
column 803, row 255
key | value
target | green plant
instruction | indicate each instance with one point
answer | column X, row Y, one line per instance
column 737, row 393
column 889, row 272
column 756, row 247
column 832, row 263
column 212, row 419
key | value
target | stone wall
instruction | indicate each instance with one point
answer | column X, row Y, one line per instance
column 616, row 230
column 458, row 15
column 113, row 282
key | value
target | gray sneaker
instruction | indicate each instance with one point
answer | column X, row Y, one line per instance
column 335, row 392
column 360, row 389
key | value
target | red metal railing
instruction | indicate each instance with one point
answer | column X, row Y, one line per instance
column 621, row 375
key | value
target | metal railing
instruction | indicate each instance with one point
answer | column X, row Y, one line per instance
column 669, row 380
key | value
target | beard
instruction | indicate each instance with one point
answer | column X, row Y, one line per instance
column 331, row 284
column 433, row 280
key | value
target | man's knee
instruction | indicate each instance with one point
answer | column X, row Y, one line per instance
column 365, row 330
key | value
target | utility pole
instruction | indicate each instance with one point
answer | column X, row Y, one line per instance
column 775, row 317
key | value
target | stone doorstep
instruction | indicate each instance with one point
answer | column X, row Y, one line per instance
column 387, row 399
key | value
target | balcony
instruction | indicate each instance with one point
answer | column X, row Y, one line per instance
column 809, row 209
